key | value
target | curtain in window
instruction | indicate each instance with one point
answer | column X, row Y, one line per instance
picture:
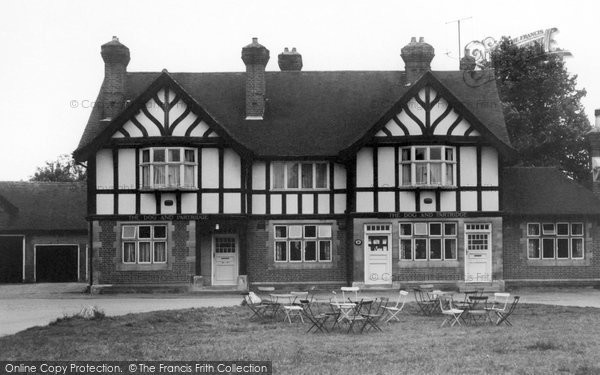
column 159, row 175
column 173, row 175
column 278, row 175
column 146, row 176
column 292, row 176
column 436, row 173
column 321, row 173
column 160, row 252
column 129, row 252
column 421, row 173
column 307, row 176
column 144, row 252
column 449, row 174
column 189, row 180
column 406, row 178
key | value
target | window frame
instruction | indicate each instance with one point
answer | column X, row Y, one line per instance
column 427, row 237
column 427, row 160
column 286, row 165
column 181, row 165
column 321, row 235
column 554, row 236
column 137, row 240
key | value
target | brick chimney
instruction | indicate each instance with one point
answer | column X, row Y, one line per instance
column 417, row 58
column 593, row 138
column 289, row 61
column 256, row 57
column 116, row 58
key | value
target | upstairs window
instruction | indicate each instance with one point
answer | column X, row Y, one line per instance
column 300, row 175
column 168, row 167
column 428, row 166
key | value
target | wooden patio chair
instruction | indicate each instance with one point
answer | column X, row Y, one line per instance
column 503, row 315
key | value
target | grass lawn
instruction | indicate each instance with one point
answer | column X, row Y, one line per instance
column 543, row 340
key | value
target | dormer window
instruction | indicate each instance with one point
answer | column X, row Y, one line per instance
column 300, row 175
column 428, row 166
column 168, row 168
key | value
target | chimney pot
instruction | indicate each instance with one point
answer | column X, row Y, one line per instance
column 417, row 58
column 255, row 57
column 116, row 58
column 289, row 61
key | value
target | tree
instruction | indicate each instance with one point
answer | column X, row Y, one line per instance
column 542, row 107
column 63, row 169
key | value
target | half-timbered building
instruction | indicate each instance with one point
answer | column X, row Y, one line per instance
column 294, row 177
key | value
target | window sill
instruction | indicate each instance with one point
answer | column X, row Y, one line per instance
column 167, row 189
column 428, row 263
column 558, row 262
column 428, row 187
column 300, row 265
column 142, row 267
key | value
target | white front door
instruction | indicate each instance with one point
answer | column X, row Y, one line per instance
column 378, row 254
column 225, row 259
column 478, row 252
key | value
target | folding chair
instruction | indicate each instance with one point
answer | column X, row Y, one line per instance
column 425, row 304
column 453, row 314
column 318, row 320
column 350, row 290
column 375, row 315
column 358, row 313
column 499, row 303
column 478, row 311
column 393, row 311
column 260, row 310
column 503, row 315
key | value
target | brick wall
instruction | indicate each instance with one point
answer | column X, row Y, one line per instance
column 517, row 266
column 109, row 268
column 263, row 269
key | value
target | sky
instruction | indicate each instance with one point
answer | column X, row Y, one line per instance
column 51, row 69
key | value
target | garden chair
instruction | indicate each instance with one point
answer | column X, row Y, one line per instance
column 317, row 319
column 260, row 310
column 393, row 311
column 295, row 308
column 376, row 314
column 357, row 314
column 453, row 315
column 350, row 290
column 503, row 315
column 478, row 311
column 425, row 304
column 499, row 303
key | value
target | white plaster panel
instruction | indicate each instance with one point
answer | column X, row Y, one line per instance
column 448, row 201
column 259, row 204
column 412, row 127
column 126, row 204
column 200, row 129
column 468, row 166
column 259, row 175
column 444, row 125
column 489, row 201
column 339, row 203
column 105, row 204
column 276, row 204
column 339, row 176
column 427, row 207
column 393, row 128
column 210, row 168
column 323, row 204
column 127, row 168
column 364, row 201
column 147, row 204
column 168, row 209
column 210, row 203
column 132, row 130
column 461, row 128
column 232, row 203
column 184, row 125
column 385, row 167
column 364, row 167
column 308, row 204
column 489, row 166
column 291, row 204
column 232, row 169
column 468, row 201
column 156, row 111
column 104, row 169
column 189, row 203
column 407, row 201
column 386, row 201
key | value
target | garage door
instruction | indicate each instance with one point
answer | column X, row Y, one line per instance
column 55, row 263
column 11, row 259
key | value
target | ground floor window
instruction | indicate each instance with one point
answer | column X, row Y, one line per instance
column 428, row 241
column 303, row 243
column 562, row 240
column 144, row 244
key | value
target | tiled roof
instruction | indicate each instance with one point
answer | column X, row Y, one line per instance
column 309, row 113
column 545, row 191
column 43, row 206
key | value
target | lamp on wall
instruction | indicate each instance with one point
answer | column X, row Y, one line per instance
column 217, row 226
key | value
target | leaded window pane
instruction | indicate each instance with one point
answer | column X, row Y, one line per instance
column 295, row 251
column 310, row 251
column 307, row 176
column 325, row 250
column 321, row 172
column 292, row 176
column 278, row 175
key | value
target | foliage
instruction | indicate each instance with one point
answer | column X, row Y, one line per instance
column 544, row 116
column 63, row 169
